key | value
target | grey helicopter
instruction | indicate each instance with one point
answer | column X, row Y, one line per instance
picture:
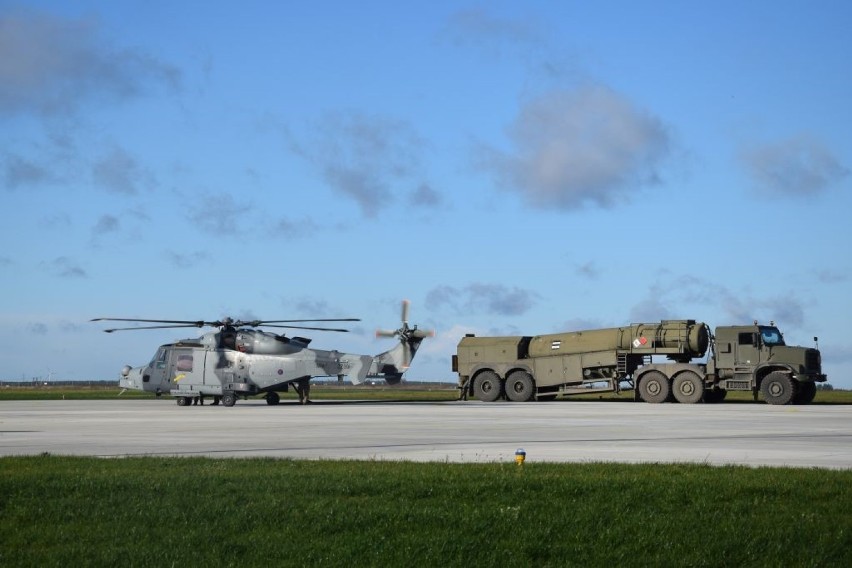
column 239, row 360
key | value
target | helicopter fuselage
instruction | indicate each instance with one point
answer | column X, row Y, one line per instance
column 242, row 362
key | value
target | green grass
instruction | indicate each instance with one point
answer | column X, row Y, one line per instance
column 194, row 511
column 317, row 393
column 382, row 393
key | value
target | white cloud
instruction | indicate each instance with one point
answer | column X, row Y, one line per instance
column 572, row 148
column 364, row 157
column 482, row 298
column 800, row 165
column 119, row 172
column 219, row 214
column 50, row 65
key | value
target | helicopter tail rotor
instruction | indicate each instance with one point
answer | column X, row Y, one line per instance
column 409, row 337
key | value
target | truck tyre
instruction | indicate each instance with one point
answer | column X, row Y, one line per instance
column 519, row 387
column 229, row 399
column 488, row 387
column 688, row 388
column 183, row 401
column 715, row 396
column 805, row 393
column 654, row 387
column 778, row 388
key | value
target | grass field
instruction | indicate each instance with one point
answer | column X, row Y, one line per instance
column 192, row 511
column 420, row 392
column 244, row 512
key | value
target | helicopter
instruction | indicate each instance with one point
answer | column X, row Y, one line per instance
column 239, row 360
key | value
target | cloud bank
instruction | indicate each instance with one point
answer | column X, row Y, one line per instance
column 585, row 146
column 797, row 166
column 366, row 157
column 50, row 65
column 481, row 298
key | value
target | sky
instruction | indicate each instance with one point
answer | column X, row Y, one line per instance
column 510, row 168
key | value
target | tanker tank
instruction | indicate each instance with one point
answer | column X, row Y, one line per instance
column 668, row 337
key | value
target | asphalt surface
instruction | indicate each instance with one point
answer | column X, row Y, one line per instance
column 561, row 431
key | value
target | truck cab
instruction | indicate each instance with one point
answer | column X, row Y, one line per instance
column 756, row 358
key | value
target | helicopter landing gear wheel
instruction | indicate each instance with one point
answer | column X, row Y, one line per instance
column 229, row 399
column 272, row 398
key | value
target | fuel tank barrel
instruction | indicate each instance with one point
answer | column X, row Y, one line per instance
column 668, row 336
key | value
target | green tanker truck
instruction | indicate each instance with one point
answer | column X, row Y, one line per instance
column 672, row 360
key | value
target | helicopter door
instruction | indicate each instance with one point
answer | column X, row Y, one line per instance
column 186, row 369
column 155, row 378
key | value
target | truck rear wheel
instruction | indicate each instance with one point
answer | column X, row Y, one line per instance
column 654, row 387
column 778, row 388
column 488, row 387
column 519, row 387
column 805, row 393
column 688, row 387
column 229, row 399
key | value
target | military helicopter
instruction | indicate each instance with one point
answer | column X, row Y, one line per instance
column 238, row 360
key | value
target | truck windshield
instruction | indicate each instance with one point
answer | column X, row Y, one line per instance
column 771, row 336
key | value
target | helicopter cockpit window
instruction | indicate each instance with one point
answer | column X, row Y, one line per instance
column 771, row 336
column 159, row 360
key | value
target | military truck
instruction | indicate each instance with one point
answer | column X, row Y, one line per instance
column 673, row 360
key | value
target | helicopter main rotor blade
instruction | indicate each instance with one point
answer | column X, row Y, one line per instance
column 150, row 327
column 188, row 323
column 305, row 327
column 262, row 322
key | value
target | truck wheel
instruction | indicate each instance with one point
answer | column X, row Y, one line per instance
column 654, row 387
column 777, row 388
column 488, row 387
column 688, row 387
column 519, row 387
column 805, row 393
column 183, row 401
column 229, row 399
column 714, row 396
column 272, row 398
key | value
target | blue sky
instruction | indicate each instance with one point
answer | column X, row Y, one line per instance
column 510, row 169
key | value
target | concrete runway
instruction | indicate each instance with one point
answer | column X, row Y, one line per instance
column 561, row 431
